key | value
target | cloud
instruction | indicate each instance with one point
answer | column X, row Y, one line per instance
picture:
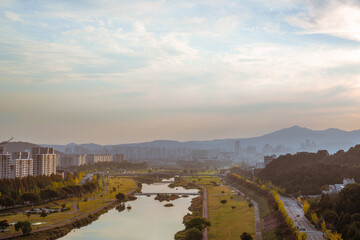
column 336, row 17
column 12, row 16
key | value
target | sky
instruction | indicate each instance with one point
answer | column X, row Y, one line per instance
column 109, row 72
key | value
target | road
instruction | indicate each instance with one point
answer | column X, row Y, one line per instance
column 296, row 213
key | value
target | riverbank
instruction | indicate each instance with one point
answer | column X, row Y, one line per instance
column 148, row 214
column 82, row 212
column 196, row 206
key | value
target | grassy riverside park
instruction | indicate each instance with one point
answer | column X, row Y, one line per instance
column 226, row 223
column 264, row 208
column 86, row 204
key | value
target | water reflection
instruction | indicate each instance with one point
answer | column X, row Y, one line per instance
column 148, row 218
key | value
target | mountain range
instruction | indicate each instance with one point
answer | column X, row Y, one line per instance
column 291, row 138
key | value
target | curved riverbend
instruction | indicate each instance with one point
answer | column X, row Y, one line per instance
column 147, row 219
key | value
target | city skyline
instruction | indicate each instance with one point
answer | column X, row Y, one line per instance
column 113, row 72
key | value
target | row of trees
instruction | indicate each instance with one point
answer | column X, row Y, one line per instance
column 45, row 188
column 309, row 173
column 286, row 228
column 109, row 166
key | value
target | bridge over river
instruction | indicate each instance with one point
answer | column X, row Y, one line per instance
column 145, row 194
column 167, row 174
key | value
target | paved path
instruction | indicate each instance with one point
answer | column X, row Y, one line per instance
column 257, row 214
column 204, row 213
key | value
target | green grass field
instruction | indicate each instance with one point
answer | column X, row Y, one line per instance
column 264, row 208
column 226, row 223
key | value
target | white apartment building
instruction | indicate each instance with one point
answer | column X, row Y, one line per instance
column 22, row 165
column 15, row 165
column 44, row 161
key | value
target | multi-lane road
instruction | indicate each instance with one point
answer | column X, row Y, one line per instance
column 295, row 211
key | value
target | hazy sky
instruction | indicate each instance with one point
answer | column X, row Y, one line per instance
column 130, row 71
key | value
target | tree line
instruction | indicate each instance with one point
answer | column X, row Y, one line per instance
column 309, row 173
column 109, row 166
column 285, row 229
column 338, row 212
column 31, row 190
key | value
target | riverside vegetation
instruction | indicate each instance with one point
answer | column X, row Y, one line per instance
column 84, row 209
column 226, row 220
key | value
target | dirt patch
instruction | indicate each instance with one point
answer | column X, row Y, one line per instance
column 270, row 222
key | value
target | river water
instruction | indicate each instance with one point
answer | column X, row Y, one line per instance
column 147, row 219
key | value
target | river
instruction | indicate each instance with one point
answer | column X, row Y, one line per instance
column 147, row 219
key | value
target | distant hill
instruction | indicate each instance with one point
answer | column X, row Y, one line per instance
column 19, row 146
column 308, row 172
column 329, row 139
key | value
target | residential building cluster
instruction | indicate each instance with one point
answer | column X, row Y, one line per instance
column 68, row 160
column 336, row 188
column 41, row 161
column 97, row 158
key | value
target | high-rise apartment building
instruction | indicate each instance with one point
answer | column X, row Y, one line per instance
column 119, row 157
column 237, row 149
column 22, row 165
column 44, row 161
column 96, row 158
column 15, row 165
column 71, row 160
column 5, row 160
column 268, row 159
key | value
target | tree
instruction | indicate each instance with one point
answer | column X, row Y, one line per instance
column 246, row 236
column 4, row 224
column 43, row 214
column 30, row 197
column 48, row 194
column 223, row 201
column 199, row 223
column 25, row 227
column 194, row 234
column 250, row 204
column 315, row 218
column 7, row 201
column 28, row 214
column 306, row 206
column 120, row 197
column 233, row 207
